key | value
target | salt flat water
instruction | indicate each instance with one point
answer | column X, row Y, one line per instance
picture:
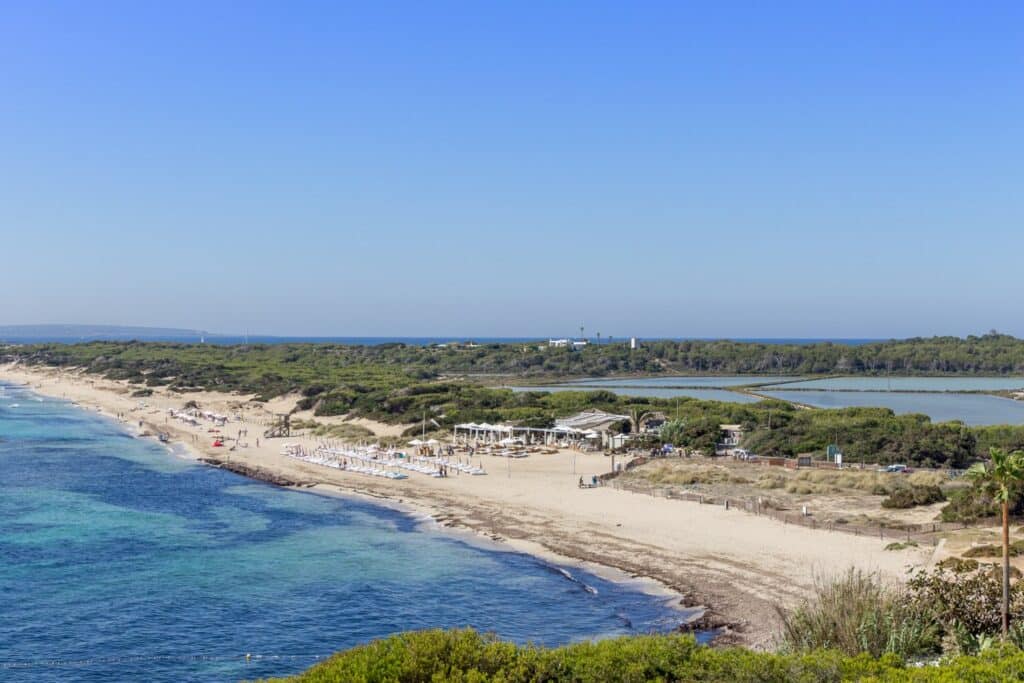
column 652, row 392
column 910, row 383
column 972, row 409
column 683, row 381
column 120, row 561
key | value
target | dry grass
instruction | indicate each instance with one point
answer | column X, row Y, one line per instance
column 344, row 431
column 669, row 473
column 804, row 482
column 868, row 481
column 852, row 495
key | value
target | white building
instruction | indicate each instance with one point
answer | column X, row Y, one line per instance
column 563, row 343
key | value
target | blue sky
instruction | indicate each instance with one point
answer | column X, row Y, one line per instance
column 793, row 169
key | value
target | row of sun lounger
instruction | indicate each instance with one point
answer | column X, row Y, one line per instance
column 460, row 466
column 378, row 463
column 367, row 466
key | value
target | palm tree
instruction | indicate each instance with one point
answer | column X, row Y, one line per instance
column 999, row 479
column 637, row 417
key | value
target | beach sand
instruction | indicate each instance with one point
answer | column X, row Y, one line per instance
column 739, row 565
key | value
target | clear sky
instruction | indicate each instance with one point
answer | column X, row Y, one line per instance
column 789, row 169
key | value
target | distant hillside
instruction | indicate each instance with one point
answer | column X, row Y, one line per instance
column 91, row 332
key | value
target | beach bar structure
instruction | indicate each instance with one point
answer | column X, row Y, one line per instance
column 589, row 426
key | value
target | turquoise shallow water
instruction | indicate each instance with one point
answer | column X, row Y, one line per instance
column 121, row 561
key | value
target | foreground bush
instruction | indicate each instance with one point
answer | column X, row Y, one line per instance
column 464, row 656
column 966, row 596
column 857, row 612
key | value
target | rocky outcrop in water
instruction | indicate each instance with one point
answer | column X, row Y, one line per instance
column 254, row 472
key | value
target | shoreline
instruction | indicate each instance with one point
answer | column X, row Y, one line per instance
column 692, row 618
column 729, row 568
column 424, row 515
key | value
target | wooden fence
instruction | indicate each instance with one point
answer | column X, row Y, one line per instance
column 918, row 533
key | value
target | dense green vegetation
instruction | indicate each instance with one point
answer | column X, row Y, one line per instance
column 464, row 656
column 282, row 366
column 396, row 383
column 867, row 435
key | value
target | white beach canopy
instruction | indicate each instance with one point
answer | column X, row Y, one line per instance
column 416, row 442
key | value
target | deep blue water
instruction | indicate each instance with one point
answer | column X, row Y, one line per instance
column 121, row 561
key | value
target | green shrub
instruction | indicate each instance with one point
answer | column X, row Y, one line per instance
column 956, row 564
column 986, row 550
column 856, row 613
column 962, row 597
column 968, row 505
column 464, row 656
column 901, row 546
column 905, row 497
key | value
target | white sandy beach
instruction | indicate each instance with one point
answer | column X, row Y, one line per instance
column 741, row 565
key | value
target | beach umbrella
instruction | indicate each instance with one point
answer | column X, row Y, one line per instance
column 415, row 442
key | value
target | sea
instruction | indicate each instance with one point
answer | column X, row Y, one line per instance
column 122, row 560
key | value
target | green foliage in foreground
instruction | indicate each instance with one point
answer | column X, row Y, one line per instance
column 855, row 627
column 857, row 613
column 953, row 609
column 464, row 656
